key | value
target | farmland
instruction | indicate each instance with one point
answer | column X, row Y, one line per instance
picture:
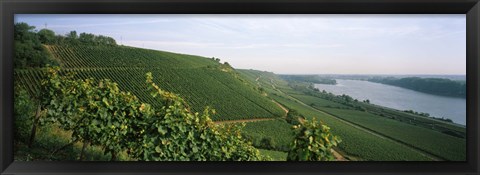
column 249, row 94
column 199, row 80
column 277, row 134
column 363, row 128
column 83, row 97
column 356, row 142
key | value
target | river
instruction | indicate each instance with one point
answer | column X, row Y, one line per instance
column 401, row 98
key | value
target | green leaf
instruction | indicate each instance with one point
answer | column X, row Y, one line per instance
column 195, row 149
column 105, row 100
column 161, row 130
column 158, row 149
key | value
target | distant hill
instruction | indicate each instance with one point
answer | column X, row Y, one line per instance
column 309, row 79
column 200, row 81
column 436, row 86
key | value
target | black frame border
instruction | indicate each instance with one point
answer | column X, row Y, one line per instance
column 10, row 7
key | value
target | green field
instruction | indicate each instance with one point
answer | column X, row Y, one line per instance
column 275, row 155
column 442, row 145
column 318, row 102
column 432, row 141
column 375, row 134
column 100, row 121
column 356, row 142
column 200, row 81
column 423, row 139
column 279, row 131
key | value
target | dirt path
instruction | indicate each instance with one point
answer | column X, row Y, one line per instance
column 273, row 86
column 283, row 108
column 244, row 120
column 338, row 156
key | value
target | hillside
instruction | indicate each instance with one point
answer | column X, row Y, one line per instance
column 200, row 81
column 368, row 131
column 268, row 104
column 435, row 86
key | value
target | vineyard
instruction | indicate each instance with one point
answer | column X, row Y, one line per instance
column 98, row 113
column 430, row 140
column 397, row 135
column 443, row 145
column 249, row 94
column 276, row 134
column 356, row 142
column 200, row 81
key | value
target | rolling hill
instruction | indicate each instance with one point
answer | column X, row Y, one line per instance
column 366, row 135
column 251, row 94
column 200, row 81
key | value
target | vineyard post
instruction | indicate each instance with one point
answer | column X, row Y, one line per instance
column 34, row 126
column 114, row 156
column 82, row 154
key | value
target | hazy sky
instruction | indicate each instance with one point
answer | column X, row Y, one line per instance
column 294, row 44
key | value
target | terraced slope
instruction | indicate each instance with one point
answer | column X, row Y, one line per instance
column 365, row 135
column 200, row 81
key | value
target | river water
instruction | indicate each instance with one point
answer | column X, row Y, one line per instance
column 401, row 98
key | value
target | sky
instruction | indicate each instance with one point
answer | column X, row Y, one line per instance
column 289, row 44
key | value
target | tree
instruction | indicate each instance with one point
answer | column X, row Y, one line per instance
column 29, row 51
column 105, row 40
column 72, row 38
column 46, row 36
column 59, row 39
column 87, row 38
column 293, row 117
column 72, row 35
column 24, row 32
column 226, row 64
column 267, row 143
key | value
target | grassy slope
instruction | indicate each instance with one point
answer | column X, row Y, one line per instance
column 432, row 141
column 278, row 130
column 51, row 138
column 275, row 155
column 201, row 81
column 356, row 142
column 445, row 146
column 437, row 143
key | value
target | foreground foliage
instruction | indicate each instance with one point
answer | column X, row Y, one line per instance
column 198, row 80
column 313, row 142
column 98, row 113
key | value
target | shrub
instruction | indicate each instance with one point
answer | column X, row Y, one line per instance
column 313, row 142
